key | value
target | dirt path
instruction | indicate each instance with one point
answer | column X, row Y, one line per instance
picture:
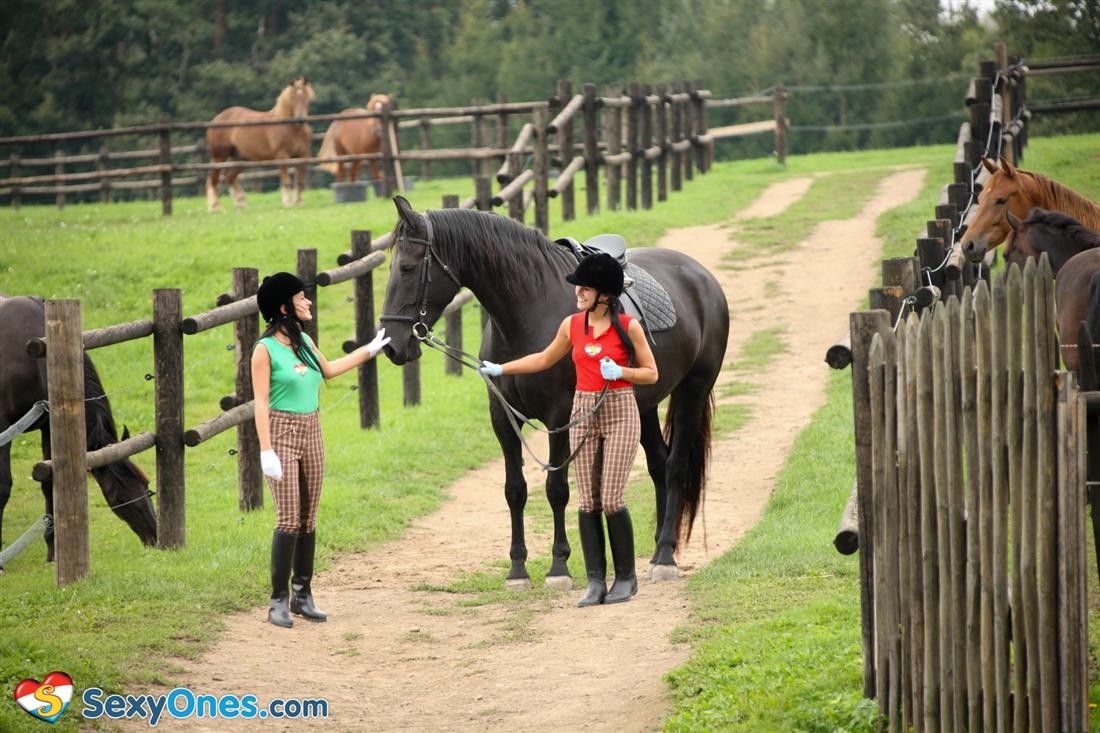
column 392, row 658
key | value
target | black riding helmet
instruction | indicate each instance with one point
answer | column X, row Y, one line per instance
column 275, row 291
column 602, row 272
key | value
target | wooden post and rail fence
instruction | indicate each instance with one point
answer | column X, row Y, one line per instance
column 65, row 342
column 646, row 129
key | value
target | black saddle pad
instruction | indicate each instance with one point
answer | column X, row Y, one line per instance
column 647, row 300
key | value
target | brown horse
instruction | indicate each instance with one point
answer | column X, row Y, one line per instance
column 1077, row 294
column 1060, row 236
column 1018, row 191
column 261, row 142
column 355, row 137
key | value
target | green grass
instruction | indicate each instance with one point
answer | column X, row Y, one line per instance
column 140, row 609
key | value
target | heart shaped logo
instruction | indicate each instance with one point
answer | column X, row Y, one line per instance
column 45, row 700
column 592, row 350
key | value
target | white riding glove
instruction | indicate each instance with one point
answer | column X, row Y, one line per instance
column 490, row 369
column 610, row 370
column 271, row 465
column 380, row 339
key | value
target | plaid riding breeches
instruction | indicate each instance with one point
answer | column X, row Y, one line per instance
column 297, row 441
column 603, row 463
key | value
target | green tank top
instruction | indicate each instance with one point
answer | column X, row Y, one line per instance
column 294, row 385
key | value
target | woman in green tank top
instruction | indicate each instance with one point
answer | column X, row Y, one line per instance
column 287, row 369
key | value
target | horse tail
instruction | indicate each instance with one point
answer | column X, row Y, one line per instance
column 698, row 456
column 1092, row 315
column 328, row 148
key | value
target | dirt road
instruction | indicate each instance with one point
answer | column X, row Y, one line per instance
column 394, row 658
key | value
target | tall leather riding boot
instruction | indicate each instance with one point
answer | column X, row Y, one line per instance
column 595, row 559
column 620, row 534
column 282, row 554
column 301, row 599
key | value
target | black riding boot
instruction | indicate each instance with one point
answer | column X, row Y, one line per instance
column 301, row 600
column 620, row 534
column 595, row 560
column 282, row 552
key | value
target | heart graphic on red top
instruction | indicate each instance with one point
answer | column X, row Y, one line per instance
column 45, row 700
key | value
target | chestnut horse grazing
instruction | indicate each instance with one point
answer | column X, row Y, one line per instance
column 1018, row 191
column 261, row 142
column 355, row 137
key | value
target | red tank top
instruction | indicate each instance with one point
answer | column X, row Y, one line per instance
column 588, row 350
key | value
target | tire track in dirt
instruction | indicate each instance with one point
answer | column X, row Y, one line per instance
column 394, row 658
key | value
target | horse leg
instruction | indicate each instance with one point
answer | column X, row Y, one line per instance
column 299, row 184
column 515, row 492
column 5, row 487
column 235, row 187
column 47, row 494
column 656, row 458
column 557, row 494
column 355, row 166
column 285, row 186
column 212, row 190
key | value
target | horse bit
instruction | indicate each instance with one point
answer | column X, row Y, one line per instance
column 422, row 332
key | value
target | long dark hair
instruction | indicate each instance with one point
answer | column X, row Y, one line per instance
column 614, row 310
column 289, row 323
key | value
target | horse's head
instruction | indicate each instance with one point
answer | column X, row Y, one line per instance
column 1000, row 194
column 294, row 100
column 126, row 489
column 420, row 284
column 1018, row 247
column 377, row 102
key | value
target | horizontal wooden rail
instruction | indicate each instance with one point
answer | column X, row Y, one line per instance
column 506, row 193
column 566, row 176
column 219, row 316
column 352, row 269
column 229, row 419
column 746, row 128
column 43, row 470
column 738, row 102
column 97, row 337
column 566, row 114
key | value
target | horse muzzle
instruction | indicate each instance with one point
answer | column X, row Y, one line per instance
column 972, row 250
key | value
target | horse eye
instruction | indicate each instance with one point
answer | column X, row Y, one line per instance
column 407, row 268
column 1002, row 201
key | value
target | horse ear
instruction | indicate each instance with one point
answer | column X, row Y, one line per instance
column 989, row 165
column 1007, row 168
column 1014, row 221
column 405, row 210
column 125, row 432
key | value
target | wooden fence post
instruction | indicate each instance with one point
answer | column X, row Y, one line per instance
column 425, row 144
column 645, row 139
column 542, row 171
column 104, row 183
column 16, row 197
column 613, row 136
column 662, row 141
column 515, row 204
column 864, row 325
column 246, row 331
column 166, row 174
column 676, row 111
column 688, row 121
column 59, row 170
column 364, row 332
column 779, row 99
column 565, row 150
column 483, row 194
column 633, row 132
column 307, row 273
column 477, row 139
column 591, row 151
column 389, row 165
column 168, row 381
column 699, row 112
column 410, row 383
column 68, row 442
column 503, row 138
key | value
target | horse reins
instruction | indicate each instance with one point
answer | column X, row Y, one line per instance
column 423, row 333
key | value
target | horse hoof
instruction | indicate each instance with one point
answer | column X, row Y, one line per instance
column 517, row 584
column 663, row 573
column 559, row 582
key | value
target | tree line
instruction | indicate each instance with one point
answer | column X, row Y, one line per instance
column 862, row 73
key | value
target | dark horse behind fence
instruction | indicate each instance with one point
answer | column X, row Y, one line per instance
column 23, row 383
column 1059, row 235
column 518, row 276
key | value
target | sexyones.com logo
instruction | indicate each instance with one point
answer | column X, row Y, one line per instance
column 183, row 703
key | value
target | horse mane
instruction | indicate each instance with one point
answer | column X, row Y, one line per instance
column 1075, row 230
column 99, row 421
column 1063, row 198
column 509, row 253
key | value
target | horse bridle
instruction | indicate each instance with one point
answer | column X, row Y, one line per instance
column 422, row 332
column 420, row 328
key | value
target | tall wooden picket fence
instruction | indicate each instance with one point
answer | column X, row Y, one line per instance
column 979, row 494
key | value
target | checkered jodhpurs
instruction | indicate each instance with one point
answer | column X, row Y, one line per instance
column 296, row 439
column 603, row 464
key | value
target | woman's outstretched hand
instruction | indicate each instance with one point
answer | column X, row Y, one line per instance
column 489, row 369
column 380, row 339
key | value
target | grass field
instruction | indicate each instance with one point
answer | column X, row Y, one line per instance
column 776, row 622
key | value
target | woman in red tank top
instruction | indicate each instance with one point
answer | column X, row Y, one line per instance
column 608, row 347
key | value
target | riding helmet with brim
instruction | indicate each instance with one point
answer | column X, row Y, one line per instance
column 277, row 290
column 601, row 272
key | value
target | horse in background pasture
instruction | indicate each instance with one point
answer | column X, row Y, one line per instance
column 1011, row 189
column 355, row 137
column 23, row 383
column 1059, row 235
column 518, row 276
column 262, row 142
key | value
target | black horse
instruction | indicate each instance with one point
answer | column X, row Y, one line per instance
column 1059, row 235
column 518, row 276
column 23, row 383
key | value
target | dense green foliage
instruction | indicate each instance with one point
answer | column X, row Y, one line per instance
column 897, row 65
